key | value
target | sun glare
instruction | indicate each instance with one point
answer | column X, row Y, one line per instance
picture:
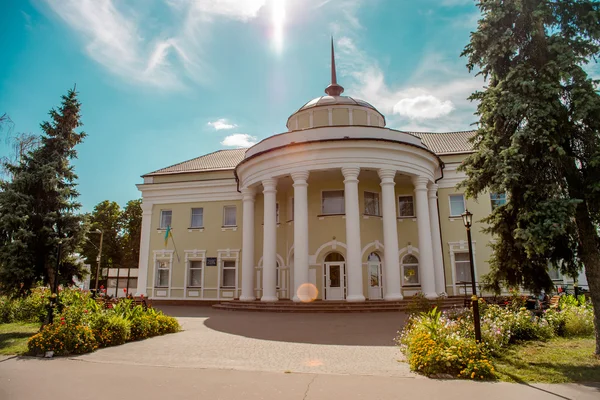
column 278, row 22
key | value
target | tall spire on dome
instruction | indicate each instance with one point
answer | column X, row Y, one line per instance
column 333, row 89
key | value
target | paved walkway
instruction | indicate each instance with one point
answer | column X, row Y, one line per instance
column 358, row 344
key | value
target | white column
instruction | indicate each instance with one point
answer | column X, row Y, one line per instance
column 353, row 260
column 270, row 241
column 248, row 197
column 142, row 281
column 391, row 277
column 426, row 271
column 300, row 231
column 436, row 241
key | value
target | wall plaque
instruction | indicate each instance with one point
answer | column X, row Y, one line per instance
column 211, row 261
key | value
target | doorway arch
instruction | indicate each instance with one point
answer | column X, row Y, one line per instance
column 334, row 279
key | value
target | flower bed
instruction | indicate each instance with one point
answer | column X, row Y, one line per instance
column 82, row 324
column 443, row 343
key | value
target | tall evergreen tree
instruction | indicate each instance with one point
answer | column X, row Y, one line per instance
column 39, row 227
column 539, row 139
column 132, row 233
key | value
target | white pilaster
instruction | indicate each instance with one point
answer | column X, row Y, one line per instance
column 270, row 241
column 142, row 282
column 391, row 277
column 300, row 230
column 353, row 261
column 436, row 241
column 425, row 247
column 248, row 245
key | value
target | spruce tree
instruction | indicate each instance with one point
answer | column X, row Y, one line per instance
column 39, row 225
column 538, row 139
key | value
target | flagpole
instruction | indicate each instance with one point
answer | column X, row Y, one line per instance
column 174, row 247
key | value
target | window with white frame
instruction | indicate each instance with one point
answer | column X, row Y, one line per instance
column 554, row 273
column 497, row 199
column 229, row 216
column 229, row 274
column 195, row 273
column 163, row 270
column 276, row 213
column 410, row 270
column 278, row 276
column 197, row 218
column 462, row 267
column 165, row 218
column 406, row 206
column 457, row 205
column 332, row 202
column 372, row 203
column 291, row 209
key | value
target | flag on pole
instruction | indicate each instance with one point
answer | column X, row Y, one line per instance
column 167, row 234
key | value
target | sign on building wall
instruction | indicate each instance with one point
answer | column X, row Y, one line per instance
column 211, row 261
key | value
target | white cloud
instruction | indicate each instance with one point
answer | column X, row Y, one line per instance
column 221, row 124
column 239, row 140
column 423, row 107
column 117, row 37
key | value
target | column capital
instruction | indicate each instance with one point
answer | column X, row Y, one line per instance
column 433, row 188
column 350, row 173
column 248, row 194
column 300, row 177
column 269, row 185
column 420, row 182
column 387, row 175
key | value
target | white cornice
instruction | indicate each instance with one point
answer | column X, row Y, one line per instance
column 185, row 192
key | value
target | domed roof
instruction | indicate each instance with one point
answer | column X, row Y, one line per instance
column 335, row 100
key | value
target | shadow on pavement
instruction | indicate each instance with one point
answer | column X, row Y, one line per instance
column 349, row 329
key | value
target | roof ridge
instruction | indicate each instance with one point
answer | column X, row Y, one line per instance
column 439, row 133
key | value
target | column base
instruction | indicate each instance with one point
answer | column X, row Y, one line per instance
column 431, row 296
column 247, row 298
column 393, row 297
column 355, row 298
column 269, row 299
column 296, row 299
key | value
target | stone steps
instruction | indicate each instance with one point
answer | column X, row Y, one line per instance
column 331, row 306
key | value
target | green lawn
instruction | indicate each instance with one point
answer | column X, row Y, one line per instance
column 13, row 337
column 558, row 360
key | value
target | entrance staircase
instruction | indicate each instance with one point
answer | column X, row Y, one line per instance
column 330, row 306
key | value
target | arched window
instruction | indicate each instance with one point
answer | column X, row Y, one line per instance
column 410, row 270
column 374, row 263
column 278, row 276
column 333, row 257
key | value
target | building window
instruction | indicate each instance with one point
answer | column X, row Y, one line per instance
column 165, row 218
column 372, row 203
column 229, row 270
column 410, row 270
column 497, row 199
column 554, row 273
column 462, row 266
column 163, row 269
column 457, row 205
column 276, row 213
column 374, row 264
column 197, row 218
column 278, row 276
column 333, row 202
column 229, row 216
column 195, row 273
column 406, row 206
column 291, row 208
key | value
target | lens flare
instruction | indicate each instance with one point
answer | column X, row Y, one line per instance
column 307, row 292
column 278, row 22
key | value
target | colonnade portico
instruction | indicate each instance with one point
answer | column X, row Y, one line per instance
column 430, row 262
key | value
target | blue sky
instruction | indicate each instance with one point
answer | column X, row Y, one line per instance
column 163, row 81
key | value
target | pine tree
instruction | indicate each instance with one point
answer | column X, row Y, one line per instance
column 39, row 226
column 539, row 139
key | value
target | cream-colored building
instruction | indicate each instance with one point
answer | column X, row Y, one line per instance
column 338, row 203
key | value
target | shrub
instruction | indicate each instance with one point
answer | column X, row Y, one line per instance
column 524, row 326
column 7, row 310
column 62, row 339
column 578, row 321
column 433, row 347
column 110, row 329
column 167, row 324
column 144, row 326
column 32, row 308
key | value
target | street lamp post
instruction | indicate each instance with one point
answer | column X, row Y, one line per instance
column 468, row 221
column 101, row 232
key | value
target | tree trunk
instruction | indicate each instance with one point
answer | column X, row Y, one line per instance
column 590, row 255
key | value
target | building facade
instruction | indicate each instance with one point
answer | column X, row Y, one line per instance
column 339, row 207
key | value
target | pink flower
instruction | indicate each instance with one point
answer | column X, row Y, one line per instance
column 62, row 322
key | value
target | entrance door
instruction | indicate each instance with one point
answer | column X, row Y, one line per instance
column 335, row 280
column 375, row 281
